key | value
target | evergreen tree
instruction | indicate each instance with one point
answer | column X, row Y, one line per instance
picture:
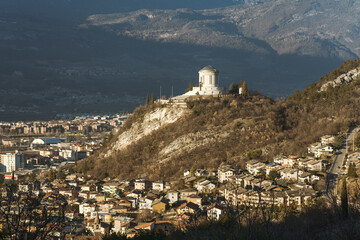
column 60, row 175
column 344, row 199
column 32, row 176
column 147, row 99
column 152, row 98
column 233, row 89
column 88, row 137
column 244, row 89
column 357, row 142
column 52, row 175
column 273, row 175
column 262, row 173
column 191, row 86
column 192, row 171
column 352, row 170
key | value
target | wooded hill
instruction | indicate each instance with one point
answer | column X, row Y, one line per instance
column 230, row 129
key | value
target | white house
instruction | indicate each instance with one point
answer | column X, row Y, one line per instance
column 327, row 139
column 185, row 193
column 158, row 186
column 110, row 187
column 146, row 203
column 186, row 172
column 317, row 149
column 205, row 186
column 173, row 196
column 353, row 158
column 120, row 224
column 225, row 172
column 214, row 212
column 315, row 165
column 286, row 161
column 67, row 154
column 289, row 174
column 254, row 167
column 86, row 209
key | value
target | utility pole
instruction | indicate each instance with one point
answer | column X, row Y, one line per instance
column 346, row 138
column 172, row 91
column 160, row 93
column 354, row 142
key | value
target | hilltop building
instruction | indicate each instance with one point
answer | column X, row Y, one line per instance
column 208, row 84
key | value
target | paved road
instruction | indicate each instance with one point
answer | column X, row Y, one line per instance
column 338, row 161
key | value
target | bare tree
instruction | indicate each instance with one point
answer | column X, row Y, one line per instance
column 25, row 215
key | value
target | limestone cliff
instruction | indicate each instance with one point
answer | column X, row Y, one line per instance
column 343, row 78
column 150, row 122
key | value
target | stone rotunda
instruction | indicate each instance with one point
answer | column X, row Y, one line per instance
column 208, row 84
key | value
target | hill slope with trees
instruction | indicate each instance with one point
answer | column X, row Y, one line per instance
column 230, row 129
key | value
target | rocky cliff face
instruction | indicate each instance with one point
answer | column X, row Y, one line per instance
column 343, row 78
column 187, row 143
column 151, row 121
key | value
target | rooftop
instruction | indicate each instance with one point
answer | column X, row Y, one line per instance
column 210, row 69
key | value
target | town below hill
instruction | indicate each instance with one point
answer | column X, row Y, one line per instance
column 192, row 167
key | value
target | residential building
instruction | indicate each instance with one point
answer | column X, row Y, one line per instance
column 214, row 212
column 254, row 167
column 158, row 207
column 315, row 165
column 142, row 185
column 289, row 174
column 158, row 186
column 225, row 172
column 327, row 139
column 205, row 186
column 173, row 196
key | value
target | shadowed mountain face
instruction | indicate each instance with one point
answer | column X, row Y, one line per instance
column 105, row 56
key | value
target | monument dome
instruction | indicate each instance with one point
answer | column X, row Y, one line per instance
column 208, row 84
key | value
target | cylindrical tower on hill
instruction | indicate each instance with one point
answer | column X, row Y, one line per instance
column 208, row 78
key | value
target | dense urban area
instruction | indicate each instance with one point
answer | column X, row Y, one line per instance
column 38, row 158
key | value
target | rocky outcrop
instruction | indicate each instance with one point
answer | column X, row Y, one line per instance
column 189, row 142
column 342, row 79
column 152, row 121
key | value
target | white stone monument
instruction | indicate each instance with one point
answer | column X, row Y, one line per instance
column 208, row 84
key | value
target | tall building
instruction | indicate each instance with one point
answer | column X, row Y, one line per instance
column 12, row 161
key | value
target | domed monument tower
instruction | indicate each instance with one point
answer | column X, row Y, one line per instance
column 208, row 84
column 209, row 81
